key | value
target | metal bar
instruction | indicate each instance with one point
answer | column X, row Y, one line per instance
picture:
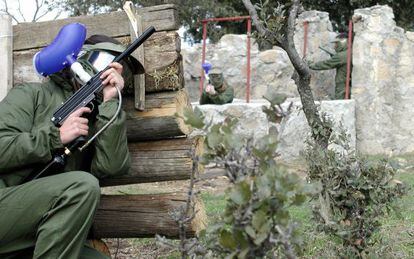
column 249, row 29
column 305, row 37
column 203, row 57
column 349, row 60
column 223, row 19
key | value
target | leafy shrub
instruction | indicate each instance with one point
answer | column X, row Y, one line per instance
column 355, row 194
column 256, row 222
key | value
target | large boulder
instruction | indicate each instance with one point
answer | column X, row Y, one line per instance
column 383, row 83
column 252, row 120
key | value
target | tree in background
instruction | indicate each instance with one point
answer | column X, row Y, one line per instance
column 341, row 11
column 192, row 12
column 41, row 8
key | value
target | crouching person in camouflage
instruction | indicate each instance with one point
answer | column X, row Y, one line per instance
column 50, row 217
column 216, row 91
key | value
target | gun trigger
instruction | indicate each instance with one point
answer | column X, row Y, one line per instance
column 91, row 106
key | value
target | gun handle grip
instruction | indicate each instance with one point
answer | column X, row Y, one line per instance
column 78, row 142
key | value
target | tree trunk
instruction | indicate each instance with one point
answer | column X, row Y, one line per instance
column 320, row 131
column 128, row 216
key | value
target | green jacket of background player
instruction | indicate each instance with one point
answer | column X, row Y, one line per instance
column 221, row 94
column 50, row 217
column 338, row 61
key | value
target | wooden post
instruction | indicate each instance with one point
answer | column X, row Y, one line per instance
column 136, row 29
column 139, row 80
column 6, row 53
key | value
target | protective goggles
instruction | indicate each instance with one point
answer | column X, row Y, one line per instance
column 97, row 59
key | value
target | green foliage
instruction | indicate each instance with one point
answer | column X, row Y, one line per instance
column 355, row 194
column 192, row 12
column 256, row 222
column 341, row 11
column 274, row 112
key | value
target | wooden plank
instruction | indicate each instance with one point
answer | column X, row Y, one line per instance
column 6, row 50
column 155, row 161
column 161, row 51
column 139, row 80
column 114, row 24
column 128, row 216
column 23, row 70
column 159, row 120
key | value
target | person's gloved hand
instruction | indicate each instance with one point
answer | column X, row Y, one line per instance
column 74, row 126
column 111, row 78
column 210, row 89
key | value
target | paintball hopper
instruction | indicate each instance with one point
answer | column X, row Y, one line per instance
column 62, row 52
column 206, row 67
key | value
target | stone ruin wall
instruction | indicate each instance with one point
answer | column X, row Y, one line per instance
column 270, row 69
column 382, row 76
column 383, row 83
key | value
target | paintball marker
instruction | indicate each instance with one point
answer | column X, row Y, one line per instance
column 63, row 53
column 327, row 51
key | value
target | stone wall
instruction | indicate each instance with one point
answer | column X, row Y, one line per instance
column 382, row 78
column 293, row 131
column 320, row 34
column 383, row 83
column 270, row 69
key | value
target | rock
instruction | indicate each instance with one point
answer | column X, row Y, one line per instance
column 383, row 83
column 252, row 120
column 294, row 129
column 320, row 34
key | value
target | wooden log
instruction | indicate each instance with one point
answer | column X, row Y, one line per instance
column 163, row 160
column 161, row 53
column 6, row 75
column 128, row 216
column 163, row 62
column 158, row 121
column 114, row 24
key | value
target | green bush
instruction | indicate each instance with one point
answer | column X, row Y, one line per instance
column 256, row 222
column 355, row 194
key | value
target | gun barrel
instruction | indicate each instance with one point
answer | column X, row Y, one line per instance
column 134, row 45
column 86, row 93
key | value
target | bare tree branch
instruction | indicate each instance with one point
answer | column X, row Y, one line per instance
column 37, row 10
column 6, row 11
column 20, row 11
column 320, row 132
column 294, row 56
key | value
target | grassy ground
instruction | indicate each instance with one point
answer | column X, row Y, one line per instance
column 395, row 240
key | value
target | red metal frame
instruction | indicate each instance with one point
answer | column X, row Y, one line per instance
column 349, row 60
column 203, row 57
column 305, row 37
